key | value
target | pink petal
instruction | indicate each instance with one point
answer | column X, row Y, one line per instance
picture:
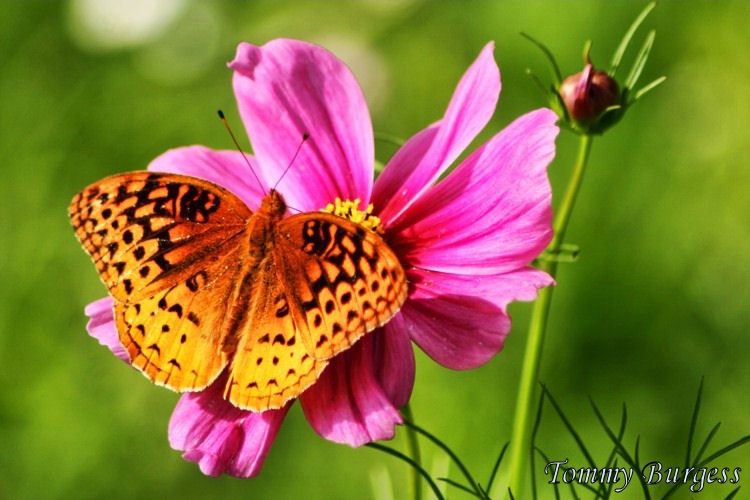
column 288, row 88
column 102, row 327
column 354, row 400
column 219, row 437
column 425, row 157
column 395, row 366
column 492, row 214
column 225, row 168
column 460, row 321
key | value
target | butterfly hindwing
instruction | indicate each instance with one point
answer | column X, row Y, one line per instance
column 177, row 337
column 271, row 364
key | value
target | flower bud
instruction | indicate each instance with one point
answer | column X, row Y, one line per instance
column 587, row 94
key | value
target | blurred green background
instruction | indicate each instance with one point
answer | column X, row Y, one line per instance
column 657, row 300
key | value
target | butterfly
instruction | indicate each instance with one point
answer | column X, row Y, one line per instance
column 203, row 286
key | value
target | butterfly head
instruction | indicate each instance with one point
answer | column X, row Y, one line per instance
column 273, row 204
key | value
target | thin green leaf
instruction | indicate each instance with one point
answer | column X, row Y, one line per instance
column 612, row 459
column 640, row 61
column 711, row 458
column 592, row 489
column 546, row 459
column 671, row 491
column 612, row 436
column 534, row 430
column 411, row 462
column 556, row 75
column 693, row 424
column 542, row 86
column 640, row 477
column 447, row 450
column 496, row 467
column 637, row 460
column 611, row 462
column 412, row 444
column 558, row 105
column 617, row 57
column 458, row 485
column 625, row 99
column 573, row 491
column 623, row 422
column 606, row 489
column 569, row 426
column 733, row 493
column 638, row 451
column 725, row 450
column 708, row 439
column 485, row 492
column 587, row 50
column 620, row 447
column 648, row 88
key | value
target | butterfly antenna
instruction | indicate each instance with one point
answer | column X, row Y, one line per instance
column 239, row 148
column 305, row 137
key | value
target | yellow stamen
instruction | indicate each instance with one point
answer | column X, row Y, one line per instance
column 349, row 209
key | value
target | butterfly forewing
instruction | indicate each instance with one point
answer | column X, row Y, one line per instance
column 147, row 231
column 344, row 280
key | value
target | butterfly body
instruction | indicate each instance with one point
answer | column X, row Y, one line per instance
column 202, row 286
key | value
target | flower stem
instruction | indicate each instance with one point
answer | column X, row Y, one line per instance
column 521, row 447
column 413, row 446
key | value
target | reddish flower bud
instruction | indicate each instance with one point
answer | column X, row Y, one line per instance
column 587, row 94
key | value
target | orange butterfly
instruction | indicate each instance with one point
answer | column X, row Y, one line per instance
column 201, row 284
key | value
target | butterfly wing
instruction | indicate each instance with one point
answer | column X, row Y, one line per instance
column 343, row 280
column 270, row 364
column 168, row 248
column 190, row 294
column 325, row 283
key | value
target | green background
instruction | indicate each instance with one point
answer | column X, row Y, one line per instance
column 657, row 300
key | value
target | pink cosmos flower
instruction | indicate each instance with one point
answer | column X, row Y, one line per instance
column 465, row 242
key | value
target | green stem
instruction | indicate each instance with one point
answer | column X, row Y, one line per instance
column 521, row 446
column 413, row 446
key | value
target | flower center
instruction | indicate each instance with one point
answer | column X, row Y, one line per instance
column 349, row 209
